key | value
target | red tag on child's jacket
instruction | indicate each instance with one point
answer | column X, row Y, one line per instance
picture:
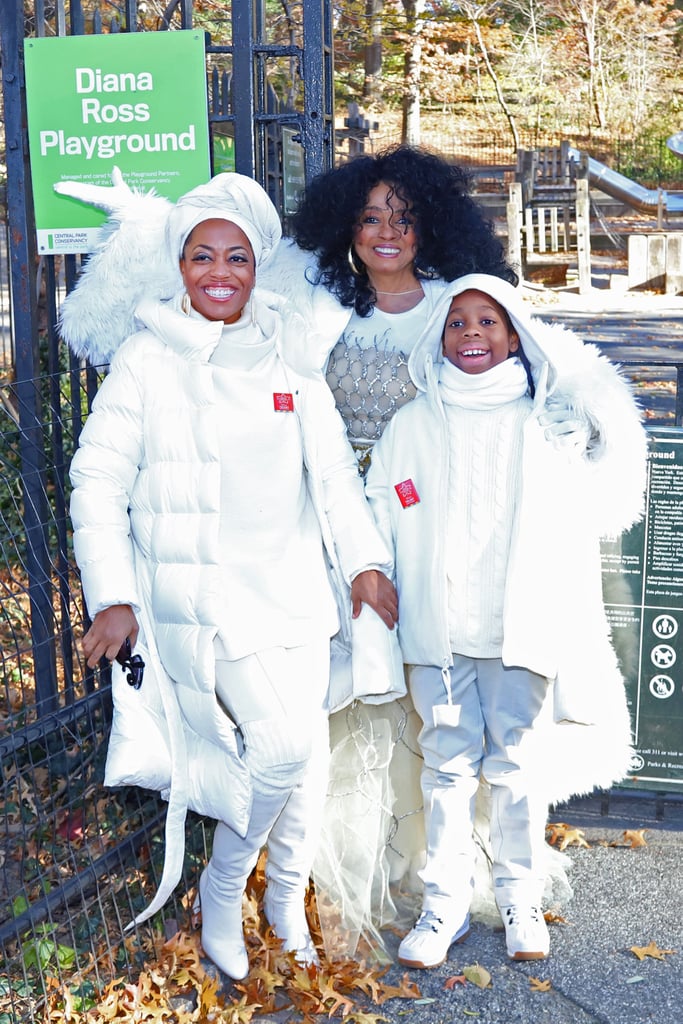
column 407, row 493
column 283, row 401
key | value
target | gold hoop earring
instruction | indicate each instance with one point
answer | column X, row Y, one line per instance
column 427, row 275
column 354, row 269
column 185, row 304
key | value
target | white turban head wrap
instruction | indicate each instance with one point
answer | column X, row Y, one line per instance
column 232, row 197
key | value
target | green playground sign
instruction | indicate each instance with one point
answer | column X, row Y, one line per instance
column 643, row 594
column 136, row 101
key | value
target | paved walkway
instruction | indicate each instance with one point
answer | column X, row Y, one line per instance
column 640, row 330
column 623, row 897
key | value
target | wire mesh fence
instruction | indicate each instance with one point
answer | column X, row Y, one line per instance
column 77, row 861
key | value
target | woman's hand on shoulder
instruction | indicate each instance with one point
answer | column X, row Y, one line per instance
column 109, row 630
column 372, row 587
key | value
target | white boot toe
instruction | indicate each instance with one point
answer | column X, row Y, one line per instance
column 222, row 930
column 287, row 917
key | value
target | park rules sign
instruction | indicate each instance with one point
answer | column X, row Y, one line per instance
column 136, row 101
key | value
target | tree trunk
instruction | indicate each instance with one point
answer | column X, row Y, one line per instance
column 410, row 129
column 472, row 15
column 372, row 84
column 588, row 19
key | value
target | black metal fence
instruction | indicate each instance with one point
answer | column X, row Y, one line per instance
column 77, row 862
column 646, row 160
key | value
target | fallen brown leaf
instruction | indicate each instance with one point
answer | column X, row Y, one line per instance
column 540, row 984
column 560, row 834
column 573, row 837
column 651, row 950
column 478, row 975
column 555, row 831
column 635, row 837
column 455, row 979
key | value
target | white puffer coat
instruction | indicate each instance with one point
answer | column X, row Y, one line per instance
column 554, row 618
column 145, row 510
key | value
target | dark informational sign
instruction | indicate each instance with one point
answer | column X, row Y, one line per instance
column 643, row 592
column 293, row 170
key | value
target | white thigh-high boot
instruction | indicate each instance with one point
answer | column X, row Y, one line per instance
column 223, row 881
column 292, row 846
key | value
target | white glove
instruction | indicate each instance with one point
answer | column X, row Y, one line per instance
column 129, row 261
column 114, row 199
column 566, row 429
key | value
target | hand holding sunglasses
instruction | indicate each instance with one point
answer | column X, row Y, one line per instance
column 132, row 663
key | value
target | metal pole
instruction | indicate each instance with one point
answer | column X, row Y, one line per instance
column 27, row 361
column 243, row 85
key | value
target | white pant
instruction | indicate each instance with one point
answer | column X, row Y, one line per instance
column 276, row 697
column 484, row 729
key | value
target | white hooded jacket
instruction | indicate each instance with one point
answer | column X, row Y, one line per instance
column 554, row 619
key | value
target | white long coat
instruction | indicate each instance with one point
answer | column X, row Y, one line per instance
column 145, row 510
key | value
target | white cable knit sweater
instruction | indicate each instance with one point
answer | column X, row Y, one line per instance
column 483, row 492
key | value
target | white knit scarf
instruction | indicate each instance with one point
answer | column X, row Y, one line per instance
column 505, row 382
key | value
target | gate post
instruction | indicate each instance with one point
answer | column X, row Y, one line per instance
column 318, row 59
column 583, row 234
column 27, row 360
column 243, row 63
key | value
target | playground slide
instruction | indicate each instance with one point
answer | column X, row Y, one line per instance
column 675, row 143
column 645, row 200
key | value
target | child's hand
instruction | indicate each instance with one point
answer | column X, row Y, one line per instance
column 565, row 428
column 374, row 588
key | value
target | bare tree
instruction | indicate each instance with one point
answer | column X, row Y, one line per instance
column 478, row 14
column 372, row 84
column 410, row 129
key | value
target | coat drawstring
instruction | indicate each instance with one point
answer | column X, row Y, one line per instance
column 446, row 677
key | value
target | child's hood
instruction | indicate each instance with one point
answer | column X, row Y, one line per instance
column 428, row 349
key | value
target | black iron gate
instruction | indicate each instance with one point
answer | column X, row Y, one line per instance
column 76, row 861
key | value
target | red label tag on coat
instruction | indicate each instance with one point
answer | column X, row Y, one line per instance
column 283, row 401
column 407, row 493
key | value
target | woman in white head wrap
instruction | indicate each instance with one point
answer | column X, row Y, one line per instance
column 213, row 487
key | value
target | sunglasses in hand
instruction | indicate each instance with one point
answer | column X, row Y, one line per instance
column 132, row 663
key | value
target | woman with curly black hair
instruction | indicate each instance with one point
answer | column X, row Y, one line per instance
column 387, row 233
column 452, row 236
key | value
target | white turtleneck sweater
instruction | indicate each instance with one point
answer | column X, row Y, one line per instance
column 276, row 587
column 485, row 414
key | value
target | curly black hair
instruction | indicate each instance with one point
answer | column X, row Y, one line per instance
column 454, row 237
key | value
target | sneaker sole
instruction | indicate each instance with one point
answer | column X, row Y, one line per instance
column 420, row 965
column 522, row 955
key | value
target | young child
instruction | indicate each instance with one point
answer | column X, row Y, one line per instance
column 493, row 488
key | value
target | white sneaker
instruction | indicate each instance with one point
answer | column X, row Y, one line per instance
column 427, row 944
column 526, row 933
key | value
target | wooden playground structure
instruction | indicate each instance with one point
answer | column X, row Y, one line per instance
column 551, row 214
